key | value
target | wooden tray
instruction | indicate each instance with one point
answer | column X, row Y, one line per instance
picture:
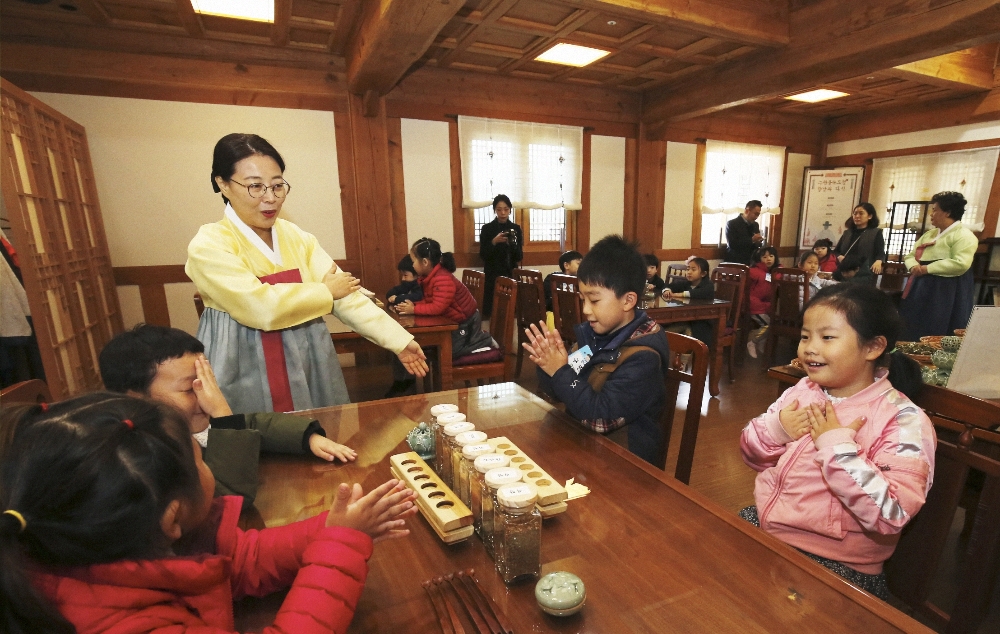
column 448, row 516
column 550, row 492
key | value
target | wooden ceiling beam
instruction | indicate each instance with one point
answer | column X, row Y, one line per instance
column 830, row 41
column 758, row 22
column 96, row 12
column 346, row 18
column 488, row 16
column 189, row 18
column 391, row 37
column 570, row 24
column 969, row 69
column 282, row 26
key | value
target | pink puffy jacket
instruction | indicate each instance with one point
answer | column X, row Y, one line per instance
column 326, row 568
column 849, row 498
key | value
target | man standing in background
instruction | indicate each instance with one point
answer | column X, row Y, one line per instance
column 743, row 234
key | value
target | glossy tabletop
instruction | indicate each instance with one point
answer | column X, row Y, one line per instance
column 655, row 555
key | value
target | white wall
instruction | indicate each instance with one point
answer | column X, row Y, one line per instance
column 607, row 186
column 794, row 172
column 152, row 161
column 678, row 201
column 427, row 182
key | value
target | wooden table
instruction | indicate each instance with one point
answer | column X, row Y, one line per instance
column 677, row 310
column 656, row 556
column 430, row 331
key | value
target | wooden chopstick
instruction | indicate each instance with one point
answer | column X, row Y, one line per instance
column 500, row 616
column 484, row 607
column 455, row 623
column 439, row 607
column 470, row 607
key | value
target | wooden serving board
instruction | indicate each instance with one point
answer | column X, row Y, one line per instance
column 550, row 492
column 447, row 515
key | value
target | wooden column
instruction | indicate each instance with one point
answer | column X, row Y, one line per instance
column 651, row 176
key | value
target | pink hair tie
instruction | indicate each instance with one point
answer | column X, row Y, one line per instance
column 129, row 423
column 44, row 406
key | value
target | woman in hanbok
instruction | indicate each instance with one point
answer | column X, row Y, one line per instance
column 266, row 285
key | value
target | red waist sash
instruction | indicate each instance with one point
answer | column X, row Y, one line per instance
column 274, row 350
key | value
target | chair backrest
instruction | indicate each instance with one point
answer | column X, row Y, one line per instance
column 677, row 374
column 731, row 285
column 474, row 281
column 566, row 304
column 676, row 273
column 530, row 297
column 967, row 466
column 790, row 291
column 198, row 304
column 33, row 391
column 504, row 317
column 894, row 277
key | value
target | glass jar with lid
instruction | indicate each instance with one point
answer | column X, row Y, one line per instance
column 466, row 470
column 439, row 419
column 478, row 488
column 449, row 432
column 494, row 479
column 517, row 538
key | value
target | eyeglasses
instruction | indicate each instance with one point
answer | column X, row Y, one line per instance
column 259, row 190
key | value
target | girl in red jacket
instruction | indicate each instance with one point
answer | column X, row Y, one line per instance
column 107, row 522
column 447, row 296
column 765, row 260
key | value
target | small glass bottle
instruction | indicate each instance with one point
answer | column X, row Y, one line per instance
column 517, row 538
column 458, row 444
column 494, row 478
column 477, row 486
column 438, row 421
column 450, row 431
column 466, row 468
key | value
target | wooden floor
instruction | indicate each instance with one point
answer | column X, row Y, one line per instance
column 718, row 471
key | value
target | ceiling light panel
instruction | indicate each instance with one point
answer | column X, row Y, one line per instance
column 256, row 10
column 814, row 96
column 572, row 55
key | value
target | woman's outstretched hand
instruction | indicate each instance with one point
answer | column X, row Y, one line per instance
column 381, row 514
column 414, row 360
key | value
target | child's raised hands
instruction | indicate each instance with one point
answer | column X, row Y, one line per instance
column 546, row 348
column 823, row 419
column 795, row 421
column 380, row 514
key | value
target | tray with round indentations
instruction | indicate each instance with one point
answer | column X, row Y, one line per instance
column 550, row 492
column 443, row 510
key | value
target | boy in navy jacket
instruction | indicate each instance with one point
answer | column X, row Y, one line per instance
column 614, row 379
column 408, row 287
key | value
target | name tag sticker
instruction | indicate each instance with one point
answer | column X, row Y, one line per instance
column 768, row 277
column 580, row 358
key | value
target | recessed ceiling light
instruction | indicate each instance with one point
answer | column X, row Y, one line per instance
column 571, row 55
column 611, row 23
column 813, row 96
column 257, row 10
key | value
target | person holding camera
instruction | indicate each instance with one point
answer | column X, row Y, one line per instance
column 500, row 247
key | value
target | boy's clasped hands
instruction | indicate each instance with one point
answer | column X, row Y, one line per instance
column 546, row 349
column 815, row 419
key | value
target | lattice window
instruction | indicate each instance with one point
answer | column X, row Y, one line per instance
column 736, row 173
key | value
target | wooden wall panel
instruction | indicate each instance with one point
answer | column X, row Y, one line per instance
column 651, row 178
column 801, row 134
column 398, row 193
column 582, row 224
column 631, row 187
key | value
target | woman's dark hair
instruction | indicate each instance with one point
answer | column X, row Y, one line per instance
column 502, row 198
column 702, row 264
column 426, row 248
column 824, row 242
column 615, row 264
column 805, row 256
column 872, row 222
column 92, row 489
column 759, row 254
column 233, row 148
column 952, row 203
column 871, row 313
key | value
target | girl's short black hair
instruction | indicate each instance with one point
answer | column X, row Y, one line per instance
column 759, row 254
column 430, row 249
column 502, row 197
column 871, row 313
column 568, row 257
column 702, row 264
column 233, row 148
column 823, row 242
column 615, row 264
column 92, row 489
column 129, row 360
column 872, row 222
column 805, row 256
column 952, row 203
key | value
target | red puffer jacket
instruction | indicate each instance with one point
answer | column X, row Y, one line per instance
column 760, row 289
column 326, row 568
column 444, row 294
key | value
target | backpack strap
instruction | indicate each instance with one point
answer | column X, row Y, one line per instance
column 601, row 373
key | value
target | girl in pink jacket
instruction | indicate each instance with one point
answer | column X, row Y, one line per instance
column 845, row 457
column 107, row 523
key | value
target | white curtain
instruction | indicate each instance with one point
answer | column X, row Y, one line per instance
column 538, row 166
column 921, row 176
column 736, row 173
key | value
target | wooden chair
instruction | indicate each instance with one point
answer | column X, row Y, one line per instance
column 567, row 307
column 675, row 273
column 790, row 291
column 745, row 326
column 893, row 279
column 198, row 304
column 730, row 285
column 26, row 392
column 474, row 281
column 502, row 324
column 530, row 307
column 968, row 445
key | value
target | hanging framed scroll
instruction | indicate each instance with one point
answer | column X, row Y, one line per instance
column 828, row 197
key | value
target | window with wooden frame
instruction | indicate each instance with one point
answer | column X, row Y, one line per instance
column 734, row 174
column 538, row 166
